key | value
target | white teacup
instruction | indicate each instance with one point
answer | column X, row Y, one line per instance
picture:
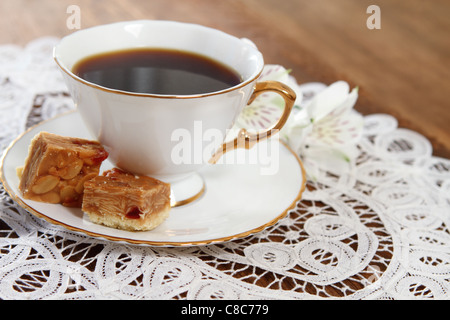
column 137, row 128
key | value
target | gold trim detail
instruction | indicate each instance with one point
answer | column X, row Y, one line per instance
column 246, row 139
column 143, row 242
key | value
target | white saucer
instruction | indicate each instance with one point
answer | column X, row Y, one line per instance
column 238, row 200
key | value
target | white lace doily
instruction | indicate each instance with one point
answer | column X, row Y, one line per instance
column 380, row 231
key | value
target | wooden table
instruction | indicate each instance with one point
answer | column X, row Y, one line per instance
column 401, row 69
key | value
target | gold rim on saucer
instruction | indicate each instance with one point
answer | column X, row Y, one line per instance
column 42, row 215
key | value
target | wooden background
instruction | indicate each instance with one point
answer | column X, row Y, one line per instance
column 402, row 69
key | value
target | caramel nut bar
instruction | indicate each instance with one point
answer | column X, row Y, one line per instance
column 126, row 201
column 57, row 168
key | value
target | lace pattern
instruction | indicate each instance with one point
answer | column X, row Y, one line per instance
column 378, row 231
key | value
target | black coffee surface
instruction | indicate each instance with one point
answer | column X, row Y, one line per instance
column 157, row 71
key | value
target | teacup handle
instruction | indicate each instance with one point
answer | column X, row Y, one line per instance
column 246, row 139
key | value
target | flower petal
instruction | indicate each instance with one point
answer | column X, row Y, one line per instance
column 295, row 136
column 338, row 131
column 345, row 106
column 327, row 100
column 274, row 72
column 328, row 159
column 261, row 114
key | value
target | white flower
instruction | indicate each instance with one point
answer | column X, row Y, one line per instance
column 331, row 113
column 329, row 141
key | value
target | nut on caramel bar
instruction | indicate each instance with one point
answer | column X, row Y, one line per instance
column 126, row 201
column 57, row 168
